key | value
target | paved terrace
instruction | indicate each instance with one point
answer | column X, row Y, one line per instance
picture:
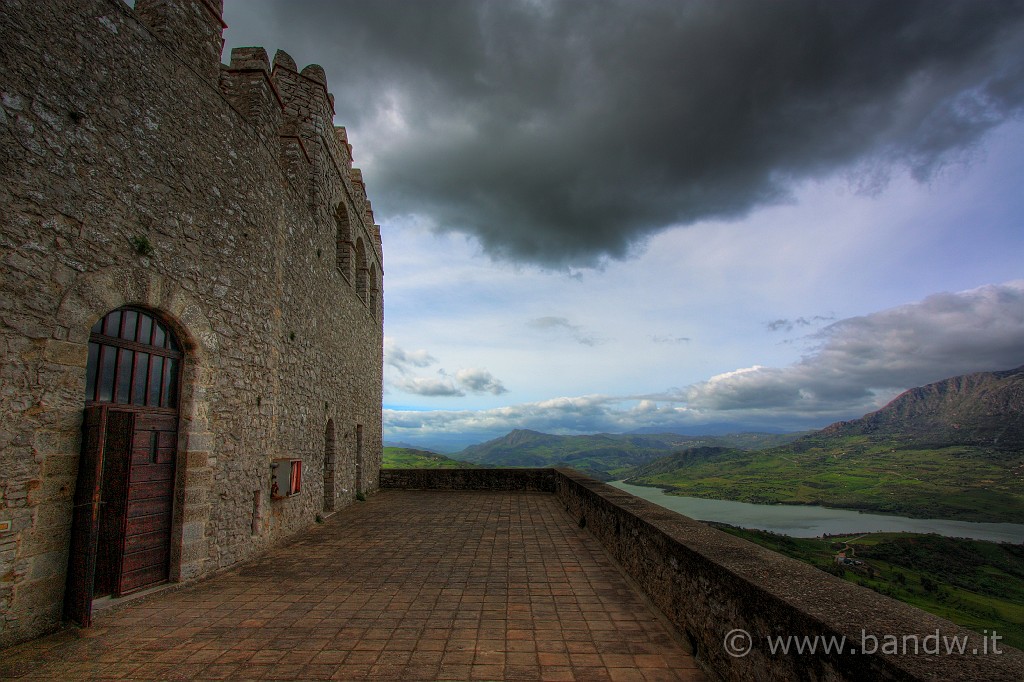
column 414, row 585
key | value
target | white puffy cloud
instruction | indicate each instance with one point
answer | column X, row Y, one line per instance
column 580, row 414
column 466, row 380
column 479, row 381
column 428, row 386
column 858, row 358
column 402, row 359
column 858, row 364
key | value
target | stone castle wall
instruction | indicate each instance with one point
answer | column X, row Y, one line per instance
column 138, row 170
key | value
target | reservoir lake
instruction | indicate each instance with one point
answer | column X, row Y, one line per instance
column 807, row 521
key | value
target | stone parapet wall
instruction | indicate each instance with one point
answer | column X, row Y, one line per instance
column 710, row 585
column 542, row 480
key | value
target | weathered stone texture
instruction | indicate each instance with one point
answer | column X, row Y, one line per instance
column 120, row 129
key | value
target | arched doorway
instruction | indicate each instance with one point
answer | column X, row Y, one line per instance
column 124, row 497
column 359, row 459
column 329, row 452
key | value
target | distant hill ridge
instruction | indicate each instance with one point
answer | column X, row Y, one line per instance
column 519, row 437
column 604, row 455
column 984, row 409
column 953, row 449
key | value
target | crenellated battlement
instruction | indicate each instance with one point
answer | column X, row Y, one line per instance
column 288, row 108
column 247, row 84
column 296, row 108
column 193, row 29
column 291, row 110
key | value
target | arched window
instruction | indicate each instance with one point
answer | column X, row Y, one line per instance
column 361, row 272
column 133, row 360
column 344, row 240
column 374, row 289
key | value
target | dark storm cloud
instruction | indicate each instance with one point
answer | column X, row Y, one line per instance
column 565, row 132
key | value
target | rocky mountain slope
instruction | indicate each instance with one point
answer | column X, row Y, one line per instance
column 982, row 409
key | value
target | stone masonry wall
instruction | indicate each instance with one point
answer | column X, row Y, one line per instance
column 136, row 171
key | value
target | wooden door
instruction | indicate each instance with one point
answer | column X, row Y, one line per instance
column 113, row 502
column 131, row 534
column 85, row 519
column 149, row 503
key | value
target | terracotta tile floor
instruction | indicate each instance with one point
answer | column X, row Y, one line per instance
column 406, row 586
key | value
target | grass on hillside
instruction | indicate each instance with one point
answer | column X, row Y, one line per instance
column 960, row 482
column 605, row 456
column 408, row 458
column 978, row 585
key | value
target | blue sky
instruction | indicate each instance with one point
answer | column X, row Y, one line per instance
column 615, row 220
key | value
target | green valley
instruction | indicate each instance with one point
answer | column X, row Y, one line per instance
column 953, row 449
column 853, row 472
column 979, row 585
column 410, row 458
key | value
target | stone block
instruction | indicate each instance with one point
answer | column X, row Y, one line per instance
column 197, row 459
column 52, row 515
column 198, row 479
column 192, row 532
column 49, row 565
column 194, row 552
column 32, row 597
column 56, row 443
column 50, row 540
column 66, row 353
column 61, row 466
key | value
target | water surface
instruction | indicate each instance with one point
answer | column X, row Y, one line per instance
column 808, row 521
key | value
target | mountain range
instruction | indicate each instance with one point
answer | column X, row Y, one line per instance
column 950, row 449
column 605, row 456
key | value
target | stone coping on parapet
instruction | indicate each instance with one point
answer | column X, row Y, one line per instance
column 536, row 479
column 748, row 612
